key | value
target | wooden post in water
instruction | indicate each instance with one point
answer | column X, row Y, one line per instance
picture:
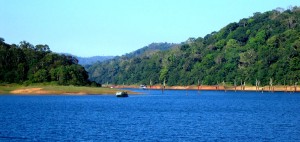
column 273, row 88
column 285, row 88
column 295, row 86
column 223, row 83
column 150, row 83
column 291, row 86
column 198, row 86
column 164, row 83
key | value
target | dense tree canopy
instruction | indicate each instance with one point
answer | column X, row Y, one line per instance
column 26, row 63
column 264, row 46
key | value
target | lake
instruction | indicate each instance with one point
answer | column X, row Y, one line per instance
column 172, row 116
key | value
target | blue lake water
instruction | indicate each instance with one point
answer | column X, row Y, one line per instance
column 172, row 116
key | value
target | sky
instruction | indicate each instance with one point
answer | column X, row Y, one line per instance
column 115, row 27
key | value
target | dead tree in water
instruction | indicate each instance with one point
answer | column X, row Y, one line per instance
column 271, row 85
column 256, row 85
column 290, row 86
column 235, row 85
column 164, row 86
column 285, row 86
column 198, row 84
column 223, row 83
column 164, row 83
column 241, row 85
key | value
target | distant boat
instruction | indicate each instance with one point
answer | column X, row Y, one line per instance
column 122, row 94
column 143, row 87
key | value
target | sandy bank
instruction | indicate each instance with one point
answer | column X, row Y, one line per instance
column 30, row 91
column 41, row 91
column 215, row 87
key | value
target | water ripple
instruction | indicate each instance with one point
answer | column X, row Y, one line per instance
column 211, row 116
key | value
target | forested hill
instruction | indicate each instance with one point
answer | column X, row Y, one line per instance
column 26, row 63
column 263, row 47
column 150, row 49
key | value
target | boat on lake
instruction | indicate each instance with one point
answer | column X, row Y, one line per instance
column 122, row 94
column 143, row 87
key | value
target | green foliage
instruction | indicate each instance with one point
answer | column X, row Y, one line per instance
column 25, row 63
column 163, row 74
column 40, row 76
column 261, row 47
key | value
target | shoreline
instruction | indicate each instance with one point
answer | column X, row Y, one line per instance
column 219, row 88
column 111, row 90
column 14, row 89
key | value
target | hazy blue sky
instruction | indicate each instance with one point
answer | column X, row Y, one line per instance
column 115, row 27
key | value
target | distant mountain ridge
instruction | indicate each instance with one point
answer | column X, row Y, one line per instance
column 89, row 60
column 92, row 60
column 145, row 51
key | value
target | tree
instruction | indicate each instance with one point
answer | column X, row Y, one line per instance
column 27, row 63
column 40, row 76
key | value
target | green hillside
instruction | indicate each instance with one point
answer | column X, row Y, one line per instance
column 150, row 49
column 263, row 47
column 27, row 64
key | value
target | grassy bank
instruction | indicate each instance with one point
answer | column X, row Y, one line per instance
column 54, row 89
column 6, row 88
